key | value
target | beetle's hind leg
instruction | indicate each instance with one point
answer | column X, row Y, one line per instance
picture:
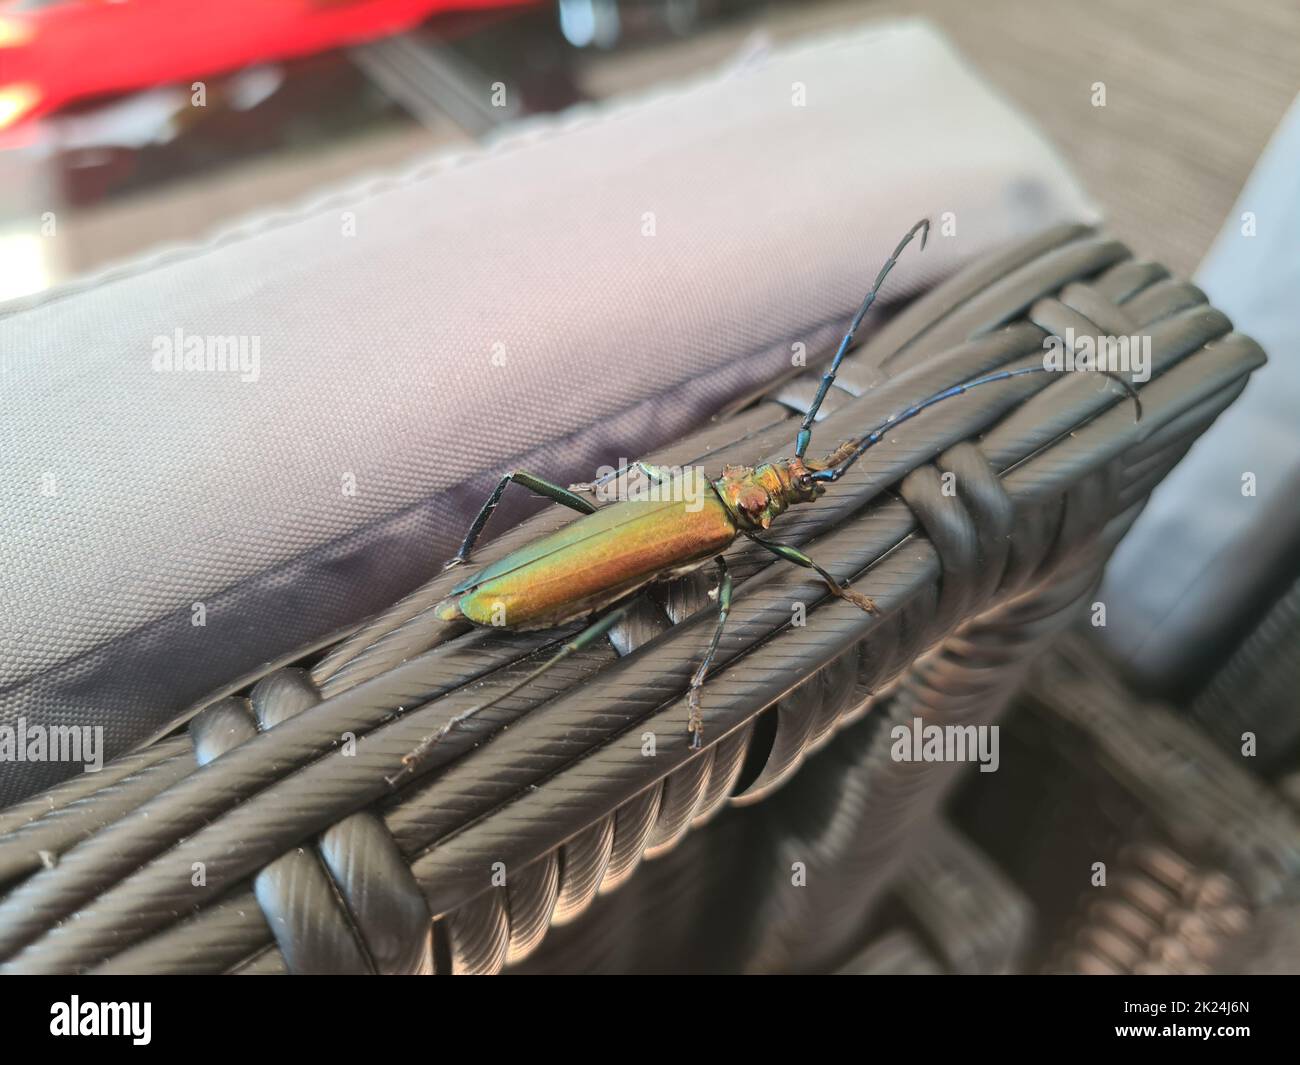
column 534, row 484
column 837, row 587
column 585, row 638
column 695, row 722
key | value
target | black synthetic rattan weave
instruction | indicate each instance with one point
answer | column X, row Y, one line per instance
column 311, row 863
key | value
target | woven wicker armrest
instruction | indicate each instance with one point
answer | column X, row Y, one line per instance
column 267, row 837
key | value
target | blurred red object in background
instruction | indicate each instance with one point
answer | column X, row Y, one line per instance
column 52, row 55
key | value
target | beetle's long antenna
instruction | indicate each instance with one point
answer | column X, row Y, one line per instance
column 834, row 473
column 828, row 378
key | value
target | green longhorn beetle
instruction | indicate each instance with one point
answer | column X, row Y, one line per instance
column 603, row 558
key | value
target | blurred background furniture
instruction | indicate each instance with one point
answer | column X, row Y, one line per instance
column 1194, row 90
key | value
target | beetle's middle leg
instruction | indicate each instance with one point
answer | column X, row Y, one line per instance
column 534, row 484
column 837, row 587
column 695, row 723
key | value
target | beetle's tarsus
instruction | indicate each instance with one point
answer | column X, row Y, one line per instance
column 414, row 756
column 864, row 602
column 694, row 721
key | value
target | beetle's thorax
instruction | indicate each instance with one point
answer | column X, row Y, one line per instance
column 755, row 495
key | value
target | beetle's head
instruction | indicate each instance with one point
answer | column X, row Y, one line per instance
column 756, row 495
